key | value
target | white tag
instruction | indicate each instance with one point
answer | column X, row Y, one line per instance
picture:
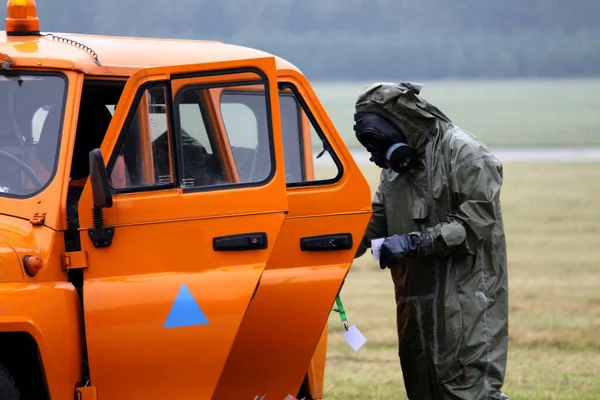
column 376, row 246
column 354, row 338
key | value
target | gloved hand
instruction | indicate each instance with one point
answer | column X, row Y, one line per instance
column 395, row 249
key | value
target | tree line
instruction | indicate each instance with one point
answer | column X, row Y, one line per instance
column 367, row 39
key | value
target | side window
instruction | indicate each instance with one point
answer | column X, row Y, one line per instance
column 224, row 135
column 143, row 154
column 308, row 158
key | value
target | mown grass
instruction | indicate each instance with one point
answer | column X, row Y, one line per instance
column 552, row 218
column 501, row 113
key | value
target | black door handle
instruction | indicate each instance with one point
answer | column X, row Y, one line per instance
column 339, row 241
column 241, row 242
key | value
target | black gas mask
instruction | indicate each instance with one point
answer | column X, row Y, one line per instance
column 386, row 143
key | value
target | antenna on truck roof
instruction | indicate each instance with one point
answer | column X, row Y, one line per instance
column 76, row 44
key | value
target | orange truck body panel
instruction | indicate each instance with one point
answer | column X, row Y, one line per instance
column 293, row 301
column 265, row 311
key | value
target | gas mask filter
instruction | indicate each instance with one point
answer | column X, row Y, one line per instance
column 387, row 145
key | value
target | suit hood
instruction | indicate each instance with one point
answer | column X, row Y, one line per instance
column 401, row 104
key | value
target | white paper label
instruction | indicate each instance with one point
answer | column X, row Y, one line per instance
column 354, row 338
column 376, row 247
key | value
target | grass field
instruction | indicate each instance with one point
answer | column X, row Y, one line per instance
column 502, row 113
column 552, row 218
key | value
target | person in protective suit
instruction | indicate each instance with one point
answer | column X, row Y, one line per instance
column 438, row 208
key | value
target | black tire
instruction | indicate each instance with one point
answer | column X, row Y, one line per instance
column 8, row 389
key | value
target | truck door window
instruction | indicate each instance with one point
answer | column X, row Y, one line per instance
column 307, row 162
column 224, row 136
column 220, row 138
column 143, row 158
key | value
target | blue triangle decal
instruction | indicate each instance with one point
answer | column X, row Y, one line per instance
column 185, row 311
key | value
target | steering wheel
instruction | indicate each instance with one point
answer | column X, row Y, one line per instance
column 26, row 168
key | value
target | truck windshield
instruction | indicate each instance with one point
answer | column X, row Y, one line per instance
column 31, row 115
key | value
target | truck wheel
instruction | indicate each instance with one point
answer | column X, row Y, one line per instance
column 8, row 389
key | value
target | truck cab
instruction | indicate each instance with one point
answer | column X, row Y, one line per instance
column 176, row 219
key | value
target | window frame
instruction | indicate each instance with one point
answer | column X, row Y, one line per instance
column 174, row 128
column 303, row 106
column 210, row 128
column 61, row 127
column 123, row 133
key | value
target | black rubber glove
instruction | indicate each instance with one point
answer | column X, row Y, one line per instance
column 395, row 249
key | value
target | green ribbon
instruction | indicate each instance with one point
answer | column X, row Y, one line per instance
column 340, row 309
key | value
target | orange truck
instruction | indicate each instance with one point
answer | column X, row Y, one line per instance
column 166, row 230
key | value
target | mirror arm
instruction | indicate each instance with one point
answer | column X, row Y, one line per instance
column 100, row 235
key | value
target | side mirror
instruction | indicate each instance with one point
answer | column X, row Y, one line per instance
column 99, row 178
column 101, row 235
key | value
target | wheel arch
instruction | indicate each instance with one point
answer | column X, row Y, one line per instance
column 20, row 354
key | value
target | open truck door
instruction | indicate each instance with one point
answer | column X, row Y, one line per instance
column 278, row 349
column 176, row 240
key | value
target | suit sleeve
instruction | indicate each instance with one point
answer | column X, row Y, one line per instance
column 475, row 184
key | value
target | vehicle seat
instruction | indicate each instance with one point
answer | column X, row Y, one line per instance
column 48, row 147
column 199, row 165
column 251, row 170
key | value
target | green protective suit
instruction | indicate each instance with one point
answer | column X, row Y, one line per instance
column 452, row 298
